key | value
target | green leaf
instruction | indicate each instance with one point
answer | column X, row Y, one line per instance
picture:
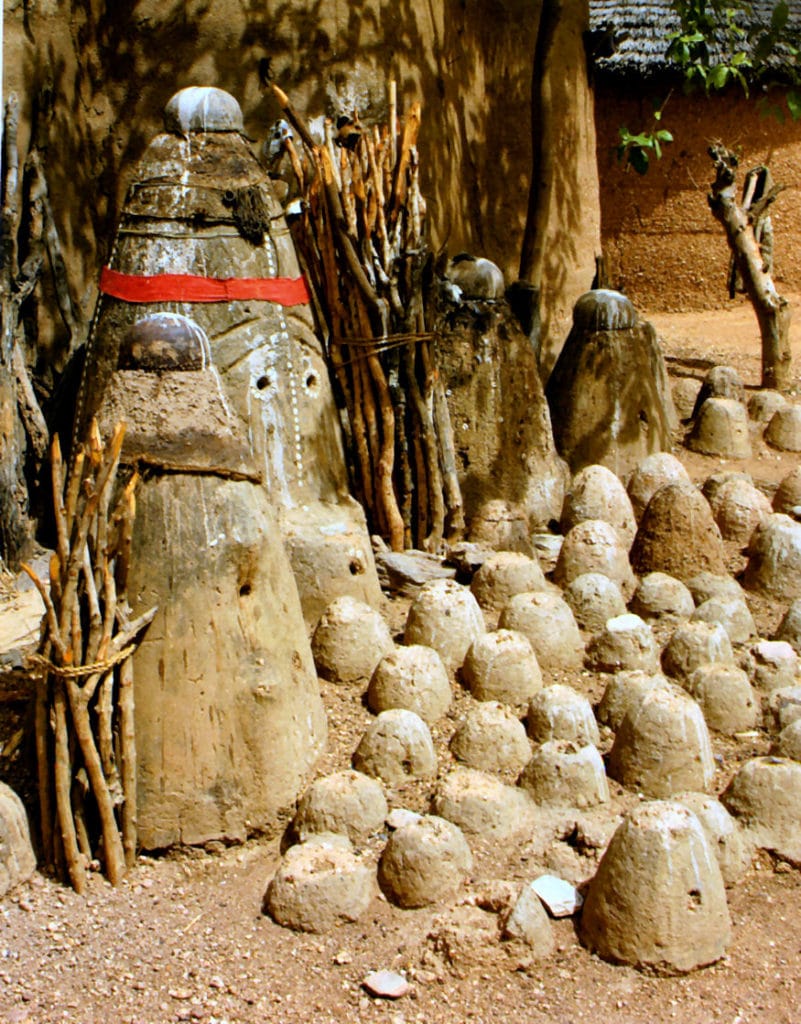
column 794, row 104
column 718, row 76
column 657, row 149
column 664, row 135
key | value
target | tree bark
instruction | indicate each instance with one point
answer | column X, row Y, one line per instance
column 772, row 311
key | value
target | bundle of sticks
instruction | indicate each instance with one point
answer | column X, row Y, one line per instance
column 361, row 237
column 85, row 744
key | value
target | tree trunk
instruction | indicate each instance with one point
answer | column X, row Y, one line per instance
column 772, row 311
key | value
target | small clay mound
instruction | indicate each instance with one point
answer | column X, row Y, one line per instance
column 491, row 739
column 563, row 774
column 17, row 859
column 790, row 627
column 738, row 508
column 678, row 535
column 502, row 666
column 705, row 586
column 685, row 391
column 346, row 803
column 658, row 900
column 626, row 642
column 725, row 696
column 765, row 796
column 424, row 861
column 593, row 599
column 788, row 742
column 693, row 644
column 319, row 884
column 784, row 429
column 774, row 559
column 413, row 678
column 349, row 641
column 656, row 471
column 662, row 746
column 445, row 616
column 548, row 623
column 721, row 428
column 662, row 598
column 503, row 575
column 608, row 393
column 782, row 707
column 482, row 805
column 595, row 546
column 775, row 665
column 735, row 617
column 500, row 526
column 763, row 404
column 715, row 481
column 396, row 747
column 720, row 382
column 596, row 493
column 623, row 691
column 788, row 493
column 725, row 839
column 561, row 713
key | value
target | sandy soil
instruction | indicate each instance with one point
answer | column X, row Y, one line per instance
column 184, row 938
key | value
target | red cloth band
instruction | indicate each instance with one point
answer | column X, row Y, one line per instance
column 287, row 291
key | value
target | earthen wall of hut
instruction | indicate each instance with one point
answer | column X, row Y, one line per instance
column 100, row 73
column 662, row 245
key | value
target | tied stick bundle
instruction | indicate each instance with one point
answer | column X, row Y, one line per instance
column 361, row 236
column 85, row 747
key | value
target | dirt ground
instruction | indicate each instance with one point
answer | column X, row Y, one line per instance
column 184, row 938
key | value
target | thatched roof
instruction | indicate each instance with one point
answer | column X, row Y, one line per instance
column 631, row 37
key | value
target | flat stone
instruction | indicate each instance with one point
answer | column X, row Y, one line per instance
column 386, row 985
column 560, row 897
column 405, row 572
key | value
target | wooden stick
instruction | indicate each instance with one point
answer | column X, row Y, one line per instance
column 127, row 737
column 63, row 780
column 293, row 117
column 43, row 762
